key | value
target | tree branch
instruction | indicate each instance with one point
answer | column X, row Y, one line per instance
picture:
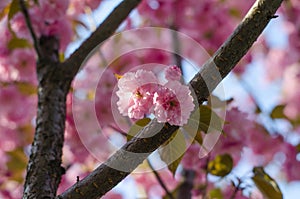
column 44, row 168
column 54, row 78
column 29, row 25
column 103, row 32
column 105, row 177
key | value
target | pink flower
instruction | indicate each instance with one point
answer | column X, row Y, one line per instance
column 151, row 185
column 234, row 139
column 135, row 93
column 78, row 6
column 291, row 92
column 43, row 25
column 53, row 10
column 5, row 36
column 291, row 165
column 173, row 103
column 3, row 4
column 55, row 29
column 141, row 93
column 24, row 65
column 173, row 73
column 112, row 195
column 93, row 4
column 9, row 97
column 141, row 102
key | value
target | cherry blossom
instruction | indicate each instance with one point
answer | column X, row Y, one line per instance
column 53, row 10
column 291, row 92
column 173, row 103
column 136, row 93
column 173, row 73
column 146, row 92
column 142, row 93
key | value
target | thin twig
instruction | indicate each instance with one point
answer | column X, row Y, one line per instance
column 29, row 25
column 177, row 48
column 103, row 32
column 161, row 182
column 236, row 189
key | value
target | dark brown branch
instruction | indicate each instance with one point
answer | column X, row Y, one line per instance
column 103, row 32
column 44, row 168
column 106, row 176
column 29, row 25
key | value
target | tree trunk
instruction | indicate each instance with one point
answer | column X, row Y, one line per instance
column 44, row 168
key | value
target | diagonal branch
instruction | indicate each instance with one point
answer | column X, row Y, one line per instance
column 103, row 32
column 108, row 175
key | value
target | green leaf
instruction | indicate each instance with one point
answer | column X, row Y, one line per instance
column 135, row 128
column 173, row 150
column 221, row 165
column 61, row 57
column 257, row 110
column 295, row 122
column 26, row 88
column 18, row 43
column 216, row 102
column 13, row 9
column 277, row 112
column 4, row 11
column 234, row 12
column 192, row 127
column 298, row 148
column 215, row 194
column 204, row 119
column 209, row 120
column 198, row 138
column 266, row 184
column 27, row 132
column 17, row 164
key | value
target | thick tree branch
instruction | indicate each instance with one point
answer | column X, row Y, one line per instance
column 103, row 32
column 105, row 177
column 44, row 168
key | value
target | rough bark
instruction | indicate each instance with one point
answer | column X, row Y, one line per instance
column 213, row 71
column 44, row 168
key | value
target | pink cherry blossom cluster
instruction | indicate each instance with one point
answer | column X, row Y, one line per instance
column 142, row 93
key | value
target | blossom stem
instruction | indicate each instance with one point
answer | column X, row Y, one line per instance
column 176, row 48
column 161, row 182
